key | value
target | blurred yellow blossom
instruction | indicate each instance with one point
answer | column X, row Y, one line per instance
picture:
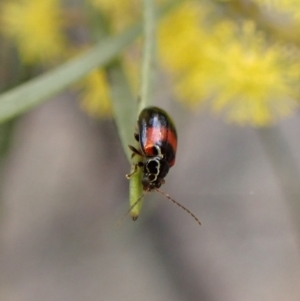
column 225, row 64
column 258, row 83
column 36, row 28
column 232, row 69
column 95, row 95
column 186, row 51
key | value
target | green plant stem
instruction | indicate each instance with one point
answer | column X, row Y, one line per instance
column 125, row 111
column 147, row 72
column 125, row 117
column 135, row 187
column 124, row 106
column 38, row 90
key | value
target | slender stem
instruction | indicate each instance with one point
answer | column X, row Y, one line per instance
column 147, row 75
column 38, row 90
column 148, row 54
column 124, row 106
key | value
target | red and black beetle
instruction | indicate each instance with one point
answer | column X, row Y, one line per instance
column 157, row 139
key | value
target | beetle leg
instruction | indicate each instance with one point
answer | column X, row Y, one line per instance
column 132, row 172
column 137, row 137
column 135, row 167
column 135, row 151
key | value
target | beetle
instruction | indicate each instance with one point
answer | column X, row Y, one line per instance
column 157, row 138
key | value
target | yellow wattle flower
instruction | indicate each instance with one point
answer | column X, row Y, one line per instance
column 233, row 70
column 186, row 53
column 36, row 28
column 95, row 96
column 259, row 86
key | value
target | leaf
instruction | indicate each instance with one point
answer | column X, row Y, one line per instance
column 38, row 90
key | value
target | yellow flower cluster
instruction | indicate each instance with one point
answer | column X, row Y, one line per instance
column 95, row 95
column 232, row 69
column 229, row 66
column 257, row 86
column 36, row 28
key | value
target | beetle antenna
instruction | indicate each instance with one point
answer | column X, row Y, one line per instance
column 120, row 221
column 181, row 206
